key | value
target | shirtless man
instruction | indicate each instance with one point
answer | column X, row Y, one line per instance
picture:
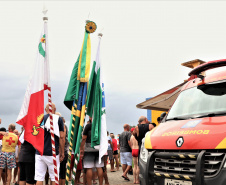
column 135, row 152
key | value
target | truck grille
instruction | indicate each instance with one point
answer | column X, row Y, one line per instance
column 183, row 162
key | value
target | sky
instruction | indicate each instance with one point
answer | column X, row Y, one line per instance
column 142, row 48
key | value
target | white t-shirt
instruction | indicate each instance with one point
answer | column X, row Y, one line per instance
column 17, row 151
column 0, row 146
column 109, row 145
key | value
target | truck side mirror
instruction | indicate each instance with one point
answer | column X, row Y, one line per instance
column 162, row 117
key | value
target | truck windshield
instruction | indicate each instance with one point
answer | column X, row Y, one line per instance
column 204, row 100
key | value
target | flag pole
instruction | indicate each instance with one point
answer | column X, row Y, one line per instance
column 78, row 144
column 45, row 19
column 52, row 136
column 73, row 110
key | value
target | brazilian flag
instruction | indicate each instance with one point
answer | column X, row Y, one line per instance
column 75, row 98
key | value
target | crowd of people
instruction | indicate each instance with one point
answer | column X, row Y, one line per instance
column 32, row 168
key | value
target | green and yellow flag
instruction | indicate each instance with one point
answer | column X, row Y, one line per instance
column 75, row 98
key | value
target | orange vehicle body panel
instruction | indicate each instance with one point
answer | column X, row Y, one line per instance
column 207, row 134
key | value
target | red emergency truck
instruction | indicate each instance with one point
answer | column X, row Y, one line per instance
column 189, row 146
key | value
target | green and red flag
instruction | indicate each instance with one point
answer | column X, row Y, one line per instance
column 32, row 110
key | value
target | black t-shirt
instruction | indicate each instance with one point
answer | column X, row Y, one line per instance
column 143, row 129
column 47, row 138
column 27, row 152
column 66, row 146
column 123, row 141
column 87, row 132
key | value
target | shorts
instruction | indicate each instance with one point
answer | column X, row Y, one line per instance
column 72, row 161
column 135, row 152
column 79, row 166
column 126, row 158
column 110, row 155
column 41, row 164
column 27, row 172
column 8, row 159
column 91, row 160
column 63, row 168
column 115, row 152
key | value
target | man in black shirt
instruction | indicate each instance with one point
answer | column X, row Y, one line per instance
column 143, row 127
column 41, row 162
column 125, row 151
column 27, row 163
column 90, row 156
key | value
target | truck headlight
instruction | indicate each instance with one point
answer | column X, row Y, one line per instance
column 143, row 152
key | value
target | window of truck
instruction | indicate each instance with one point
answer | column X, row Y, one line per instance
column 200, row 101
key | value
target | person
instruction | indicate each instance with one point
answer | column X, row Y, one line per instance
column 78, row 173
column 125, row 151
column 135, row 153
column 4, row 171
column 3, row 131
column 26, row 162
column 158, row 120
column 105, row 175
column 0, row 120
column 46, row 160
column 90, row 156
column 161, row 117
column 115, row 150
column 118, row 150
column 8, row 156
column 95, row 176
column 47, row 177
column 110, row 152
column 143, row 127
column 22, row 129
column 16, row 170
column 79, row 167
column 66, row 148
column 72, row 164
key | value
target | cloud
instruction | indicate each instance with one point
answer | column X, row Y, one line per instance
column 121, row 109
column 141, row 50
